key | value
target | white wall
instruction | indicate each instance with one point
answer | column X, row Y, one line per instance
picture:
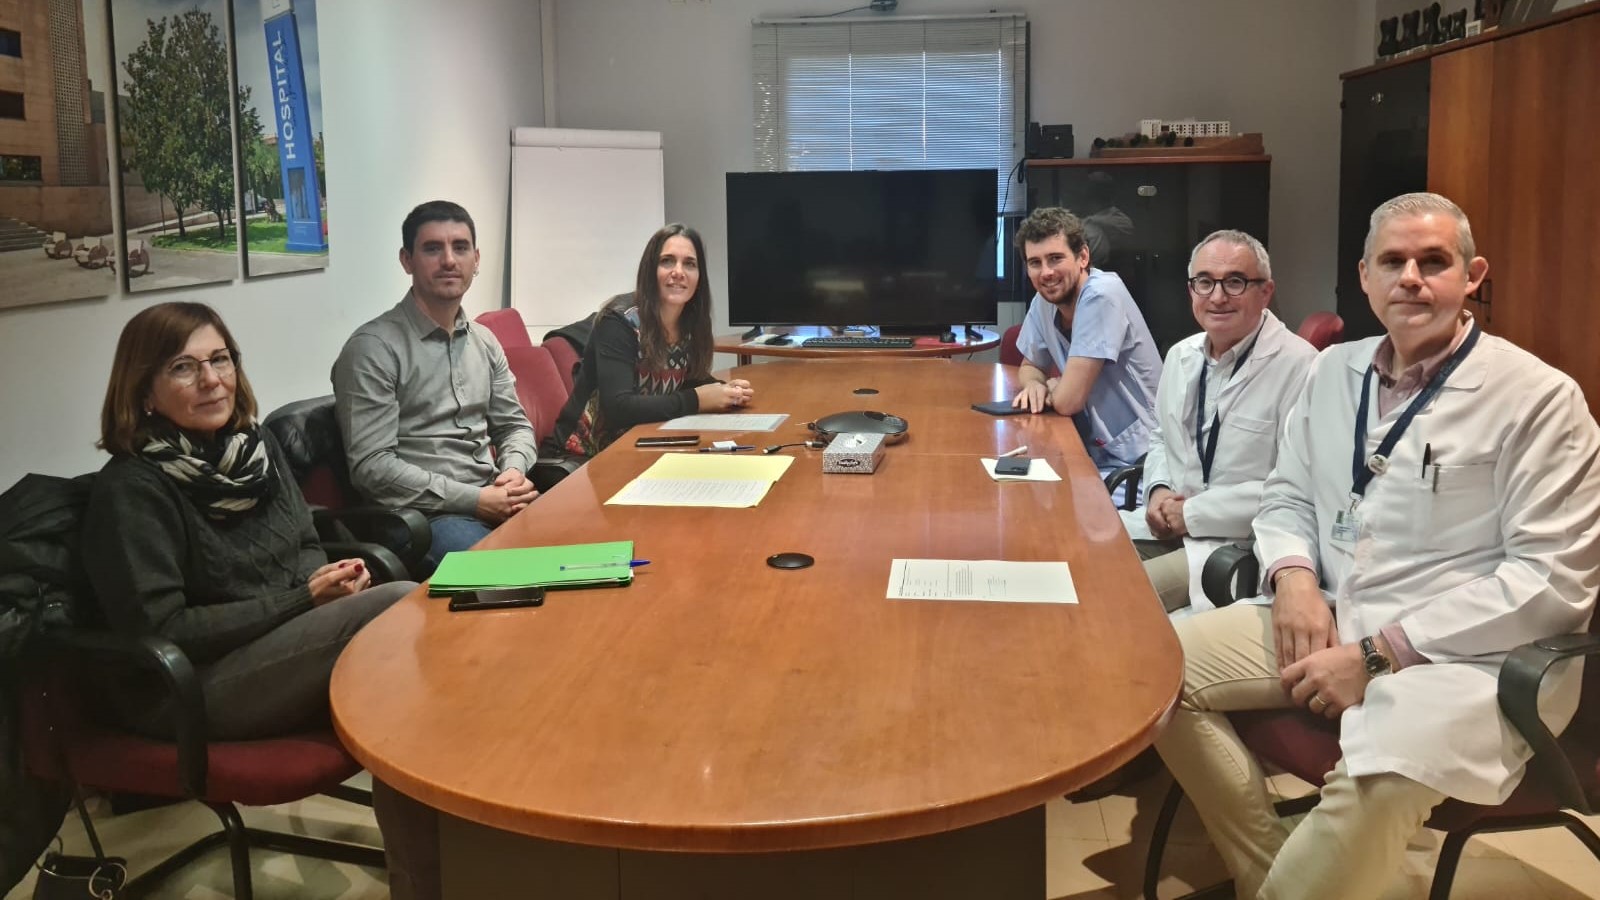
column 682, row 67
column 419, row 98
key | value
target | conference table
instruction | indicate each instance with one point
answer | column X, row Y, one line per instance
column 724, row 728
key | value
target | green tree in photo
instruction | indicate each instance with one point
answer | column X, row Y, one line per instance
column 177, row 114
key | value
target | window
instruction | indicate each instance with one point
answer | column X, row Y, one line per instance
column 20, row 168
column 12, row 105
column 10, row 42
column 932, row 93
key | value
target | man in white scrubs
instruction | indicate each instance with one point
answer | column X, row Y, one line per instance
column 1436, row 504
column 1084, row 325
column 1224, row 396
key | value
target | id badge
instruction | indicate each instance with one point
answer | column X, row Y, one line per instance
column 1346, row 526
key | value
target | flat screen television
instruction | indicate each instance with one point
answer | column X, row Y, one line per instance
column 902, row 249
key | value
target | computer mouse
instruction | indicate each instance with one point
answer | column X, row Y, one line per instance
column 781, row 340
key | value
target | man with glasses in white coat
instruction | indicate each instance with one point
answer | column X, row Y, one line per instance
column 1223, row 398
column 1435, row 505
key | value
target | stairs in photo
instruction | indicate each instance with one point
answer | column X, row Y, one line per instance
column 15, row 235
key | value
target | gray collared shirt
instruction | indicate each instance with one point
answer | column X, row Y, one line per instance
column 428, row 418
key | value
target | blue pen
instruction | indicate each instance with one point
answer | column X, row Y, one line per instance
column 632, row 564
column 724, row 449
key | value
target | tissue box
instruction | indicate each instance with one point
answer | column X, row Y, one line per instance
column 853, row 453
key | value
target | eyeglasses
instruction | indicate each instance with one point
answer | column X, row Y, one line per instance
column 185, row 370
column 1233, row 285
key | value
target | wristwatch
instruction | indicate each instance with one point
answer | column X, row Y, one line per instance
column 1376, row 663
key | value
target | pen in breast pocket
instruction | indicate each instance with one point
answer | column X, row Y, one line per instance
column 1436, row 478
column 1427, row 457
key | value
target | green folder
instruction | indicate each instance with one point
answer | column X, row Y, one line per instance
column 471, row 570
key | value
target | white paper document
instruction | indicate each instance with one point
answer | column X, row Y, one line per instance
column 726, row 422
column 690, row 492
column 1038, row 470
column 981, row 579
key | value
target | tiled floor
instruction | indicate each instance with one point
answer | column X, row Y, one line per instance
column 1096, row 852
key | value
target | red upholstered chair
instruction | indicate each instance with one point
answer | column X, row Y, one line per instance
column 1322, row 329
column 507, row 326
column 63, row 741
column 1563, row 775
column 566, row 358
column 1009, row 354
column 539, row 387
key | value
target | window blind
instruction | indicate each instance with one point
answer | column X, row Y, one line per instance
column 935, row 93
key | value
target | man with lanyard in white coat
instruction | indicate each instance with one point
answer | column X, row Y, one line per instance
column 1438, row 489
column 1083, row 324
column 1223, row 398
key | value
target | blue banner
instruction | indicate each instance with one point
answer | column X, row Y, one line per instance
column 302, row 193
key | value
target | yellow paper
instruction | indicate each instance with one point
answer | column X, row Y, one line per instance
column 718, row 467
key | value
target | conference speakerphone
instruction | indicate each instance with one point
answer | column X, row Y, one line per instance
column 857, row 343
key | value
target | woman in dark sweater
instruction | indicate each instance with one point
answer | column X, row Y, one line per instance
column 196, row 531
column 649, row 356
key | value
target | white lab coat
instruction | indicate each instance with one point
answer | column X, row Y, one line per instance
column 1505, row 551
column 1254, row 405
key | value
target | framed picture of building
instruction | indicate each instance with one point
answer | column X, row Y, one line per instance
column 172, row 118
column 56, row 231
column 284, row 202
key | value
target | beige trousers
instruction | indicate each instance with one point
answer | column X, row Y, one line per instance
column 1167, row 564
column 1350, row 845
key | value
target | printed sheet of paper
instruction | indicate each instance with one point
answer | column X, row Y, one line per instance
column 726, row 422
column 704, row 479
column 982, row 579
column 690, row 492
column 1038, row 470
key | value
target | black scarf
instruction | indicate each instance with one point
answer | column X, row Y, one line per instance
column 225, row 478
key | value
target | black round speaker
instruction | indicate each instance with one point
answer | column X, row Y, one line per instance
column 893, row 428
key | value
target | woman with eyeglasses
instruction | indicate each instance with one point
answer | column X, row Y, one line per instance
column 197, row 532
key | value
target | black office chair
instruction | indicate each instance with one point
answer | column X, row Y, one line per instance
column 309, row 434
column 1130, row 476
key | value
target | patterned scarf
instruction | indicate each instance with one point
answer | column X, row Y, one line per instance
column 226, row 479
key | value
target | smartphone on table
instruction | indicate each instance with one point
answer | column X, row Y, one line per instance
column 499, row 598
column 1012, row 465
column 669, row 440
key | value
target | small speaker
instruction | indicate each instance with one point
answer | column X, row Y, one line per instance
column 1049, row 141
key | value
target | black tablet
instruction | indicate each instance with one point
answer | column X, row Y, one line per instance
column 999, row 408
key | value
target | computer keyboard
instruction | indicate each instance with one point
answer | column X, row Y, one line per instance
column 856, row 343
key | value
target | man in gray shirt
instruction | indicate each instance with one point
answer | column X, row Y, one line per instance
column 425, row 400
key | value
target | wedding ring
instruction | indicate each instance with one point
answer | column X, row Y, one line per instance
column 1316, row 699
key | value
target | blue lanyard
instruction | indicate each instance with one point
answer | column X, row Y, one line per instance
column 1208, row 447
column 1361, row 470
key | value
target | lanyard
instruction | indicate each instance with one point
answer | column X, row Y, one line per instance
column 1363, row 467
column 1208, row 447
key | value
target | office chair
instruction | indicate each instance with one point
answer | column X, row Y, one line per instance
column 1009, row 354
column 63, row 741
column 507, row 326
column 1322, row 329
column 309, row 434
column 1563, row 775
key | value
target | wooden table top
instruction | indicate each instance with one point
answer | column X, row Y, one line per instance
column 983, row 339
column 721, row 705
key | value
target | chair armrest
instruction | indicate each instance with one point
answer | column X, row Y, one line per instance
column 155, row 653
column 1130, row 474
column 1520, row 676
column 380, row 524
column 382, row 562
column 549, row 471
column 1227, row 566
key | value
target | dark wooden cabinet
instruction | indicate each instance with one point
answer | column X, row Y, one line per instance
column 1150, row 213
column 1512, row 135
column 1383, row 152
